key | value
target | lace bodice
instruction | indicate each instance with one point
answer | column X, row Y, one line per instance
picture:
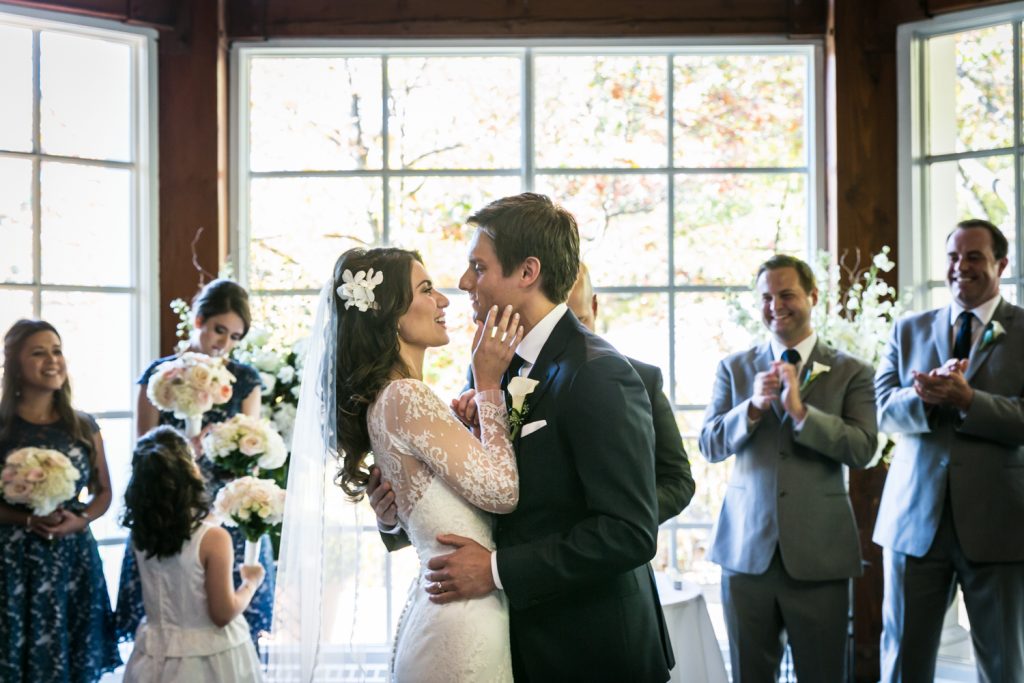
column 415, row 438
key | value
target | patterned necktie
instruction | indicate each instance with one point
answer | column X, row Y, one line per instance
column 791, row 356
column 962, row 344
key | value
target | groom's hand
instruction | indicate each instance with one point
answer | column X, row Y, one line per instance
column 461, row 575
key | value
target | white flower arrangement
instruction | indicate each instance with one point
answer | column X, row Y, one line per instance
column 190, row 385
column 39, row 478
column 518, row 389
column 357, row 290
column 253, row 505
column 243, row 443
column 813, row 373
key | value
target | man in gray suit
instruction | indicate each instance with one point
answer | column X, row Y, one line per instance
column 951, row 385
column 793, row 411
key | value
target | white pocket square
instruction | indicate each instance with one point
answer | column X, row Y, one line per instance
column 532, row 427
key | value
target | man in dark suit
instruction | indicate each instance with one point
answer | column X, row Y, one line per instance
column 672, row 477
column 573, row 558
column 951, row 384
column 794, row 413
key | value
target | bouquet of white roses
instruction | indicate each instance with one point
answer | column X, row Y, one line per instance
column 256, row 506
column 39, row 478
column 242, row 443
column 190, row 385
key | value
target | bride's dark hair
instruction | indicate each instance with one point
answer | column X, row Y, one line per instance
column 367, row 352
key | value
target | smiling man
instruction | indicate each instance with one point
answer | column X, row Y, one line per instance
column 793, row 412
column 951, row 384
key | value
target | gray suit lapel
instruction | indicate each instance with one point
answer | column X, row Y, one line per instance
column 941, row 333
column 820, row 354
column 1003, row 314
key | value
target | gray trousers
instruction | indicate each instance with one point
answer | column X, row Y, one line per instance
column 762, row 610
column 919, row 590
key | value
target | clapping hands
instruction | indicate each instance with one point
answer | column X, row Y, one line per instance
column 945, row 385
column 779, row 381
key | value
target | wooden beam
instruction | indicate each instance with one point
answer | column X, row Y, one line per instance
column 193, row 155
column 159, row 14
column 258, row 19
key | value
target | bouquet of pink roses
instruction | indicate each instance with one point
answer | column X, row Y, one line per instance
column 243, row 443
column 253, row 505
column 188, row 386
column 39, row 478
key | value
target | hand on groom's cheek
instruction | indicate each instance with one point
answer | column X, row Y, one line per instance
column 461, row 575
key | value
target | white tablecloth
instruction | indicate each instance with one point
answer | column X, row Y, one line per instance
column 698, row 658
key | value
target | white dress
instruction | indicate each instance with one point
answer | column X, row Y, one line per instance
column 178, row 642
column 446, row 482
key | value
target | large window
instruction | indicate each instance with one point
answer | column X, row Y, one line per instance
column 961, row 145
column 685, row 166
column 75, row 212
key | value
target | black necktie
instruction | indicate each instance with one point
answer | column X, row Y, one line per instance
column 962, row 344
column 514, row 366
column 791, row 356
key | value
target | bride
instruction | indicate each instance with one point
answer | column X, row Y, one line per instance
column 364, row 387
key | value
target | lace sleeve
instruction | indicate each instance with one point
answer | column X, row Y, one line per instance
column 483, row 472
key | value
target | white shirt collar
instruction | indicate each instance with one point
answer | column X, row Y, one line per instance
column 529, row 348
column 984, row 312
column 804, row 348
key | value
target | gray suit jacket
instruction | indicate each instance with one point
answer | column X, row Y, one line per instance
column 980, row 455
column 787, row 488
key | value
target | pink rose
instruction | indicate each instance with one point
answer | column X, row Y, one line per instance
column 8, row 474
column 17, row 491
column 252, row 444
column 35, row 474
column 225, row 392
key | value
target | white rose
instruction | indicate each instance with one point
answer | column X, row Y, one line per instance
column 286, row 374
column 269, row 382
column 252, row 444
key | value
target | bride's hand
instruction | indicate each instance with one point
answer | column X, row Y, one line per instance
column 494, row 345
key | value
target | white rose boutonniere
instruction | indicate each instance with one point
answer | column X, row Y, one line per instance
column 813, row 373
column 993, row 332
column 518, row 389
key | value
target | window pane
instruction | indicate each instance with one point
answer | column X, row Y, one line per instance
column 111, row 557
column 299, row 227
column 429, row 214
column 117, row 443
column 86, row 97
column 445, row 367
column 287, row 317
column 705, row 334
column 86, row 224
column 454, row 112
column 16, row 86
column 14, row 305
column 636, row 325
column 740, row 110
column 970, row 90
column 96, row 330
column 1009, row 293
column 970, row 188
column 726, row 224
column 622, row 220
column 15, row 219
column 601, row 112
column 314, row 114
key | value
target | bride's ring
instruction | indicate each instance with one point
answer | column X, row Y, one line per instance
column 438, row 587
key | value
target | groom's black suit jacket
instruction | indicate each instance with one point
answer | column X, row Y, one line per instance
column 573, row 557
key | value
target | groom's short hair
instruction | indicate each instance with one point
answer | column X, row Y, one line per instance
column 531, row 224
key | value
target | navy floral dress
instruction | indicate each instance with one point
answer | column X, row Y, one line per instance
column 56, row 624
column 130, row 609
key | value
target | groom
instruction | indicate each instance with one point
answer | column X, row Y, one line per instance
column 573, row 558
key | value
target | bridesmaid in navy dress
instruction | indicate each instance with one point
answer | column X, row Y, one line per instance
column 222, row 319
column 56, row 624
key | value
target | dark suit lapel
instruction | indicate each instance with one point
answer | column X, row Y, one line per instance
column 546, row 368
column 941, row 333
column 1003, row 315
column 763, row 363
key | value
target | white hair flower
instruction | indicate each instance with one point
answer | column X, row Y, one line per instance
column 357, row 290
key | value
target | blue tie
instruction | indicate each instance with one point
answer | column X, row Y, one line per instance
column 962, row 344
column 791, row 356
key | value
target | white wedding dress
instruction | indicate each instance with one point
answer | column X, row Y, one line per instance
column 446, row 482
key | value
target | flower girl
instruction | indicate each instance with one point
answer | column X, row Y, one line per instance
column 194, row 629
